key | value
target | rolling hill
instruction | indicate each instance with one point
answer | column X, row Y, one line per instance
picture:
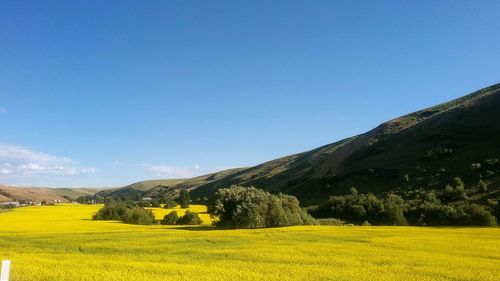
column 424, row 150
column 163, row 188
column 13, row 193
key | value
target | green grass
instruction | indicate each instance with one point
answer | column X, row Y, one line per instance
column 74, row 193
column 61, row 243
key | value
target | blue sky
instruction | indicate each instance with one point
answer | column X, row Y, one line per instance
column 105, row 93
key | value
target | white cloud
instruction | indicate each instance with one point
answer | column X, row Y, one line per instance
column 20, row 162
column 173, row 172
column 161, row 170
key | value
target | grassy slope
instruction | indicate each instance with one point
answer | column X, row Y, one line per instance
column 10, row 193
column 74, row 193
column 378, row 160
column 60, row 243
column 167, row 187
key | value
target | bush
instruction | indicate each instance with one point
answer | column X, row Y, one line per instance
column 459, row 214
column 125, row 212
column 170, row 219
column 474, row 215
column 330, row 221
column 394, row 210
column 139, row 216
column 189, row 218
column 366, row 223
column 483, row 186
column 184, row 199
column 240, row 207
column 155, row 203
column 355, row 207
column 426, row 209
column 111, row 212
column 169, row 204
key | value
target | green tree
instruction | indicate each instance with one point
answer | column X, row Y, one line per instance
column 354, row 191
column 190, row 218
column 394, row 210
column 155, row 203
column 483, row 186
column 127, row 213
column 170, row 219
column 169, row 204
column 184, row 199
column 241, row 207
column 139, row 216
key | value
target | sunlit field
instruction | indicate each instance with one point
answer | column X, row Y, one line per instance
column 62, row 243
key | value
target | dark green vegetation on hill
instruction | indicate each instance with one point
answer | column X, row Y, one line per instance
column 426, row 209
column 414, row 156
column 423, row 150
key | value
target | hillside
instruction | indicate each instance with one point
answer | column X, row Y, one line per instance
column 13, row 193
column 75, row 192
column 424, row 150
column 163, row 188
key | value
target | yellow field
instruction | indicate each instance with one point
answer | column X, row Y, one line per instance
column 61, row 243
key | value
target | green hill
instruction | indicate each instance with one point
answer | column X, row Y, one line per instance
column 421, row 150
column 13, row 193
column 163, row 188
column 424, row 150
column 75, row 192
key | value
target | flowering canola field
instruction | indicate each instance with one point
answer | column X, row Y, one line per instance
column 62, row 243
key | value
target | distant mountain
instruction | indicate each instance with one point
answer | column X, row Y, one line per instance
column 75, row 192
column 425, row 150
column 164, row 188
column 15, row 193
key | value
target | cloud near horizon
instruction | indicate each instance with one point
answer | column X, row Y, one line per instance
column 163, row 170
column 174, row 172
column 17, row 162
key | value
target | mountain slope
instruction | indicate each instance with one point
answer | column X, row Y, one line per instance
column 14, row 193
column 75, row 192
column 425, row 149
column 163, row 188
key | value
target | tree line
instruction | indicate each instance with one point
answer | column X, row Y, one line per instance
column 134, row 214
column 450, row 209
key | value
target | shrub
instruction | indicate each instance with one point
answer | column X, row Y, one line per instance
column 139, row 216
column 394, row 210
column 474, row 215
column 111, row 212
column 170, row 219
column 155, row 203
column 330, row 221
column 169, row 204
column 241, row 207
column 483, row 186
column 366, row 223
column 189, row 218
column 459, row 214
column 126, row 213
column 184, row 199
column 354, row 207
